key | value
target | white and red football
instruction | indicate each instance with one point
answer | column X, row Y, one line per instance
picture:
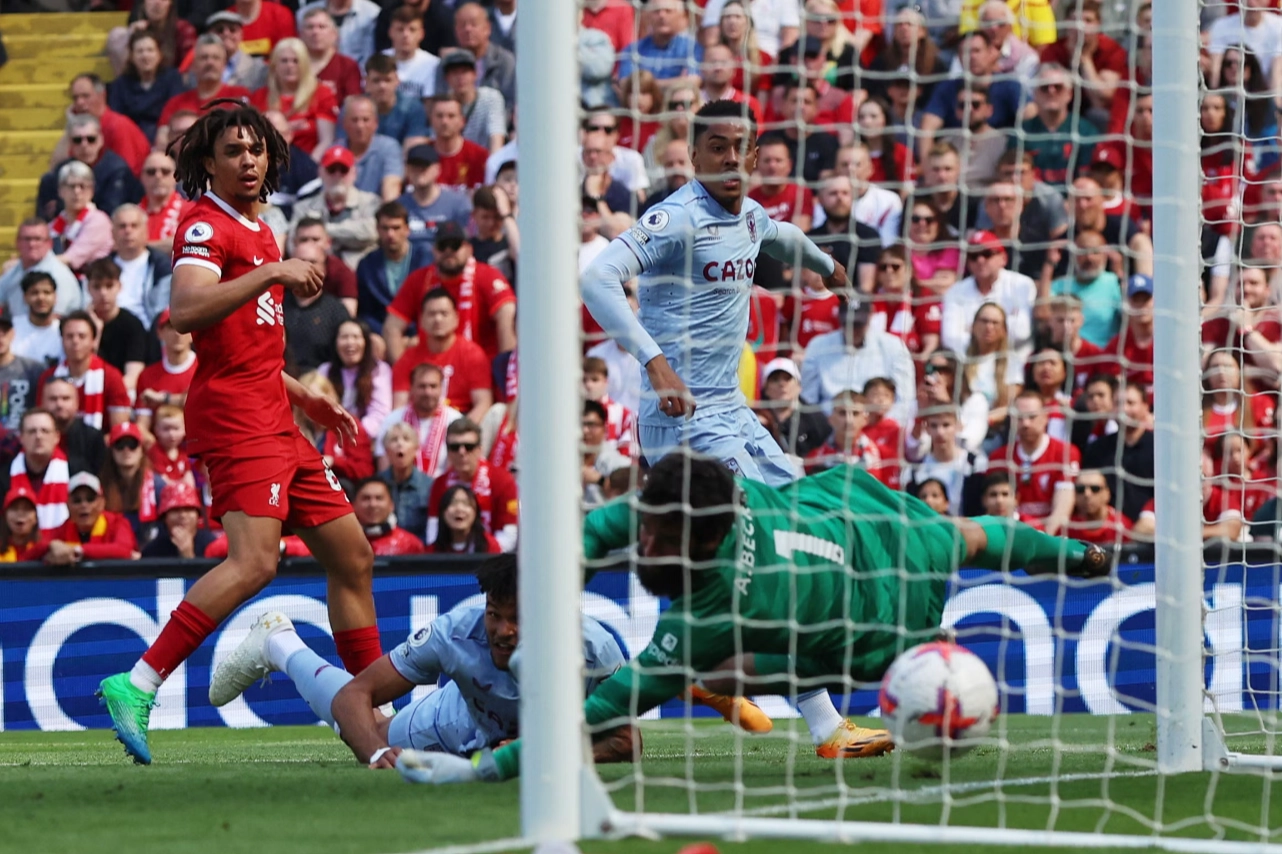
column 938, row 697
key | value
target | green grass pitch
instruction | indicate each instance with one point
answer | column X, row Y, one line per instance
column 296, row 789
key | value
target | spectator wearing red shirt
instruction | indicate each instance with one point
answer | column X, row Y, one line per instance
column 460, row 528
column 1095, row 519
column 913, row 316
column 266, row 24
column 615, row 18
column 486, row 304
column 161, row 201
column 620, row 422
column 883, row 430
column 166, row 381
column 293, row 90
column 104, row 401
column 719, row 69
column 119, row 133
column 846, row 444
column 20, row 537
column 1251, row 326
column 1098, row 62
column 372, row 504
column 1253, row 479
column 1082, row 358
column 1221, row 509
column 468, row 386
column 462, row 161
column 92, row 532
column 1229, row 405
column 1131, row 350
column 783, row 199
column 336, row 72
column 494, row 488
column 1042, row 469
column 209, row 63
column 809, row 313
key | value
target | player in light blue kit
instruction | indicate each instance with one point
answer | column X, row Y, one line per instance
column 695, row 254
column 471, row 644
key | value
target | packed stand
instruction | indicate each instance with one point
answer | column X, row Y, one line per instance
column 982, row 168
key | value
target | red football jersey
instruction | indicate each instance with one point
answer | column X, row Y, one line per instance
column 763, row 325
column 464, row 365
column 1217, row 421
column 163, row 378
column 1090, row 359
column 495, row 491
column 163, row 224
column 466, row 169
column 237, row 394
column 809, row 315
column 1113, row 530
column 1037, row 476
column 479, row 291
column 1132, row 360
column 787, row 201
column 907, row 319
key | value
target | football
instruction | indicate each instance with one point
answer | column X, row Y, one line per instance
column 938, row 698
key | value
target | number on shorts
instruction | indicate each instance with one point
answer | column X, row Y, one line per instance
column 333, row 479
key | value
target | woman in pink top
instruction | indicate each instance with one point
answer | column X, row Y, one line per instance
column 362, row 381
column 935, row 257
column 81, row 233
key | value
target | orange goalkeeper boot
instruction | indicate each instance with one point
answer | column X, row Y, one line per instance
column 739, row 711
column 849, row 741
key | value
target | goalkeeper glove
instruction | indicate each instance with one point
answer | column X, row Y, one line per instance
column 421, row 766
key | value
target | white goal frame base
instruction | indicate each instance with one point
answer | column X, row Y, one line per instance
column 1216, row 755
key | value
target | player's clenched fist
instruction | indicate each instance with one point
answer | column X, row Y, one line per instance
column 301, row 277
column 838, row 279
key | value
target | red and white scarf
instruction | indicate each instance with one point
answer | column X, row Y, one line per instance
column 69, row 231
column 429, row 443
column 92, row 384
column 163, row 224
column 51, row 498
column 466, row 301
column 503, row 454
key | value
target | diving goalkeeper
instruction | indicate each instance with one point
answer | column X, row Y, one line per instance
column 795, row 586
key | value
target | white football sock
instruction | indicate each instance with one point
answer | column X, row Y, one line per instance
column 281, row 646
column 820, row 714
column 145, row 678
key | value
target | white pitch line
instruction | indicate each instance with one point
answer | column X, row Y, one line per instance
column 497, row 845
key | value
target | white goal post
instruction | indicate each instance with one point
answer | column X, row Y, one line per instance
column 562, row 797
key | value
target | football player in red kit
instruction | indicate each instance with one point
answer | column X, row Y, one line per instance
column 227, row 289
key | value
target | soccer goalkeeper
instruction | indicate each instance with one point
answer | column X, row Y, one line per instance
column 793, row 586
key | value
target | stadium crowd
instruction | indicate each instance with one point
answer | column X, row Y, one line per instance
column 982, row 168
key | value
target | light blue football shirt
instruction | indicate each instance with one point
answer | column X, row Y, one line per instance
column 455, row 645
column 697, row 261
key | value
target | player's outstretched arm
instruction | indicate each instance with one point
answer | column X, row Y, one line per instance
column 197, row 299
column 354, row 705
column 784, row 241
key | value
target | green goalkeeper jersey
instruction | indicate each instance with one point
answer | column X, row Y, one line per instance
column 835, row 571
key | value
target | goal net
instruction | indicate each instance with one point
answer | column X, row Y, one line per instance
column 1065, row 278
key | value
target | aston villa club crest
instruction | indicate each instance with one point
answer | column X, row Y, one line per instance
column 752, row 228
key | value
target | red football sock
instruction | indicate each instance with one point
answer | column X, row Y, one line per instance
column 187, row 628
column 358, row 648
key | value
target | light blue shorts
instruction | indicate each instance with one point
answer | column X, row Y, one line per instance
column 439, row 722
column 734, row 436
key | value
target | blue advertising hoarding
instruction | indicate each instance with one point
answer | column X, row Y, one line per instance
column 1072, row 647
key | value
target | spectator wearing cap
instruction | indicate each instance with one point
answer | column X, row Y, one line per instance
column 84, row 445
column 339, row 73
column 853, row 243
column 122, row 337
column 495, row 66
column 18, row 375
column 114, row 181
column 209, row 63
column 162, row 204
column 1130, row 249
column 399, row 116
column 36, row 333
column 1097, row 289
column 372, row 503
column 1015, row 57
column 145, row 83
column 165, row 382
column 1132, row 151
column 340, row 281
column 1060, row 140
column 1132, row 348
column 429, row 204
column 485, row 302
column 181, row 534
column 989, row 281
column 35, row 254
column 415, row 67
column 484, row 106
column 89, row 98
column 242, row 69
column 979, row 59
column 851, row 356
column 347, row 213
column 92, row 532
column 130, row 486
column 20, row 535
column 42, row 468
column 383, row 271
column 379, row 165
column 355, row 19
column 145, row 271
column 311, row 322
column 798, row 429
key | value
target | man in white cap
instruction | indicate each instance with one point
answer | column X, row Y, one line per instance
column 93, row 532
column 798, row 429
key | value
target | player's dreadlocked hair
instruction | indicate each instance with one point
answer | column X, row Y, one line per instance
column 190, row 150
column 497, row 577
column 719, row 111
column 709, row 489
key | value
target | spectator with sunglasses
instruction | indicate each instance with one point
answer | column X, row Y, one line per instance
column 628, row 166
column 1060, row 141
column 936, row 261
column 980, row 144
column 980, row 61
column 113, row 181
column 494, row 488
column 161, row 201
column 1095, row 519
column 89, row 98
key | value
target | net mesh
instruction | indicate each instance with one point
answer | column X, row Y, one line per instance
column 990, row 196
